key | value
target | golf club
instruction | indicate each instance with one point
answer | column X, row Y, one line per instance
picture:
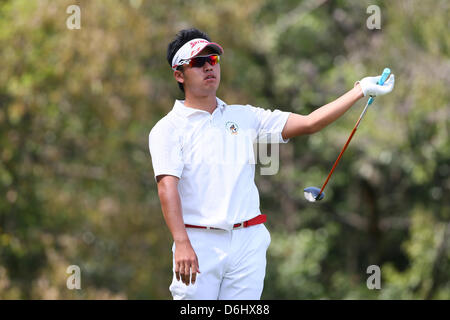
column 314, row 194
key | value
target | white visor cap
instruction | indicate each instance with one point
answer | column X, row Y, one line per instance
column 191, row 49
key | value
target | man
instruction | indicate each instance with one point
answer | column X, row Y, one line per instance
column 205, row 173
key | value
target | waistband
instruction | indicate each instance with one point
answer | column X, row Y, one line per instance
column 252, row 222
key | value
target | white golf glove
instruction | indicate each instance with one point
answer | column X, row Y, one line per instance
column 370, row 87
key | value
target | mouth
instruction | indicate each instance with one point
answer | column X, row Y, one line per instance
column 209, row 77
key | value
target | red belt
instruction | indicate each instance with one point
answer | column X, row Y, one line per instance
column 256, row 220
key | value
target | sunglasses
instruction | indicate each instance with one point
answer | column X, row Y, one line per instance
column 198, row 62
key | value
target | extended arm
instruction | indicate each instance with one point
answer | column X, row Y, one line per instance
column 297, row 125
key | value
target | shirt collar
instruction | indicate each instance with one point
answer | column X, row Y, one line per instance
column 181, row 109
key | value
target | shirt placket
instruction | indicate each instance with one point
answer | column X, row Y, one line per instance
column 212, row 117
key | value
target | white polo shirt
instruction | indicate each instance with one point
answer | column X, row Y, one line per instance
column 213, row 156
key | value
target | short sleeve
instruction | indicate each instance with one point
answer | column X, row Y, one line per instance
column 270, row 124
column 165, row 150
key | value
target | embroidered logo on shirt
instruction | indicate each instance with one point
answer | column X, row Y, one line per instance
column 232, row 127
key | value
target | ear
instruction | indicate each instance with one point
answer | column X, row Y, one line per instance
column 179, row 76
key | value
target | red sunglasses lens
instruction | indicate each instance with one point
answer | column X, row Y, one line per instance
column 198, row 62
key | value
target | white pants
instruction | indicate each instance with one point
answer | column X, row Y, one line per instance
column 232, row 264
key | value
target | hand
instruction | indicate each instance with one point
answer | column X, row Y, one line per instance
column 370, row 87
column 185, row 262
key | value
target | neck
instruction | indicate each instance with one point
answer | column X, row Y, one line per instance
column 206, row 103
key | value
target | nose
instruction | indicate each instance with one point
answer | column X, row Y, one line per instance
column 207, row 66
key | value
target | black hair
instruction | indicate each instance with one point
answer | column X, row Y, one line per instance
column 180, row 39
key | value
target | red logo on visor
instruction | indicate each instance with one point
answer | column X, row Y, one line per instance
column 193, row 44
column 195, row 51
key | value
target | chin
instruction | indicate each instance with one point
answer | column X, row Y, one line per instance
column 212, row 87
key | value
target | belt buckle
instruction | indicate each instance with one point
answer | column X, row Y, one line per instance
column 241, row 225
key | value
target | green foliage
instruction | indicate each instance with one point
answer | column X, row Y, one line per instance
column 298, row 259
column 76, row 107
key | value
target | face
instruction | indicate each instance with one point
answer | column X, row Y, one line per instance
column 202, row 81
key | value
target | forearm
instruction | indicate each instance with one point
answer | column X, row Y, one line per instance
column 172, row 211
column 328, row 113
column 298, row 125
column 185, row 259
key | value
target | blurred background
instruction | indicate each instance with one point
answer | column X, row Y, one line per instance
column 76, row 108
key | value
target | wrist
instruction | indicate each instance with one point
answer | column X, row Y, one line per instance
column 358, row 90
column 182, row 240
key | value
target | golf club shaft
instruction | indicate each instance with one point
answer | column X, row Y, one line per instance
column 384, row 76
column 345, row 147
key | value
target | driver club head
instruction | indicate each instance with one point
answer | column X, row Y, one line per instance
column 312, row 194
